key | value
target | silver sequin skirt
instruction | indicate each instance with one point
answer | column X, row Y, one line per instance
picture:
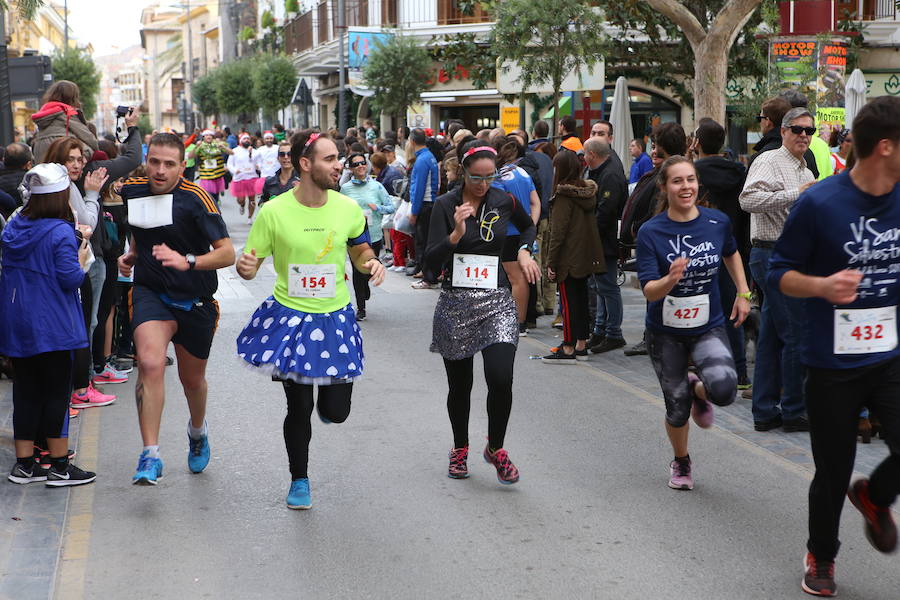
column 468, row 320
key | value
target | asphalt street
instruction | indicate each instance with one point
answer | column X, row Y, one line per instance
column 592, row 516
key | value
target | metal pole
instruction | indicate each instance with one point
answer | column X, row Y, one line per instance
column 6, row 116
column 190, row 69
column 66, row 25
column 342, row 75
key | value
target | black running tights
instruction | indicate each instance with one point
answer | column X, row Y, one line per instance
column 361, row 280
column 333, row 404
column 498, row 374
column 41, row 393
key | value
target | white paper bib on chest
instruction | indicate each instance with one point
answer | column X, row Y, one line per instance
column 865, row 330
column 210, row 163
column 150, row 211
column 475, row 271
column 311, row 281
column 686, row 312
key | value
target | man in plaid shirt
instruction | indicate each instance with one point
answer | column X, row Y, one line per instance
column 774, row 182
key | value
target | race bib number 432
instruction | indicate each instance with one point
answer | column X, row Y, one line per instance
column 686, row 312
column 311, row 281
column 865, row 330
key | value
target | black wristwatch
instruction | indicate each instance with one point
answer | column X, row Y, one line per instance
column 191, row 260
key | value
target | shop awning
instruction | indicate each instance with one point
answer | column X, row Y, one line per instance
column 565, row 108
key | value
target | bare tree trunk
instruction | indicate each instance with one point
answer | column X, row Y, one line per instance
column 710, row 48
column 556, row 115
column 710, row 77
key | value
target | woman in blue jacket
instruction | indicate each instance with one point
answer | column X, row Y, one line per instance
column 41, row 322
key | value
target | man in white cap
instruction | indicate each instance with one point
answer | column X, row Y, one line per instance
column 244, row 166
column 268, row 156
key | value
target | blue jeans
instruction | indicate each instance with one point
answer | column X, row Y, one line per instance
column 609, row 301
column 778, row 374
column 728, row 293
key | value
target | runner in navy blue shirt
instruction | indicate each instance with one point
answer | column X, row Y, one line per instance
column 679, row 254
column 178, row 241
column 840, row 250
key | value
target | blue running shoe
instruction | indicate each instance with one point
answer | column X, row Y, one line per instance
column 148, row 470
column 298, row 498
column 198, row 454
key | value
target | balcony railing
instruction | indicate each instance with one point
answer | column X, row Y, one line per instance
column 318, row 25
column 298, row 33
column 870, row 10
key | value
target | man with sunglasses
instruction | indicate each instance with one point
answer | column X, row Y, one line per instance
column 774, row 182
column 284, row 178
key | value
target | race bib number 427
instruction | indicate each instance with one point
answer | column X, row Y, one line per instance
column 686, row 312
column 311, row 281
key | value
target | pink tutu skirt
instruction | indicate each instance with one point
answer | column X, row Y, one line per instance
column 213, row 186
column 246, row 187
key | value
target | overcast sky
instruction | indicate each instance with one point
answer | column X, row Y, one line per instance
column 108, row 26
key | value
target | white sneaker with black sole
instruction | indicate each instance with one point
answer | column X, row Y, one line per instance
column 21, row 474
column 72, row 475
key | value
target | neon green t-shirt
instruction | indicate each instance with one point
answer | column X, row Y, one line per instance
column 294, row 234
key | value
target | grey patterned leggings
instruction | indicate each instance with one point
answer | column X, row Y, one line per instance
column 711, row 354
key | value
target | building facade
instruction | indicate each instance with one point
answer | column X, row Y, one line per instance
column 311, row 37
column 43, row 35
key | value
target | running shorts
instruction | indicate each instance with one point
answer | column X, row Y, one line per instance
column 196, row 327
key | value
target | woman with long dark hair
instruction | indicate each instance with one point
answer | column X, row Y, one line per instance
column 41, row 323
column 575, row 253
column 476, row 312
column 679, row 254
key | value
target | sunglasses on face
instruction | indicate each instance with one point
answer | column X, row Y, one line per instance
column 797, row 130
column 283, row 154
column 759, row 118
column 353, row 165
column 476, row 179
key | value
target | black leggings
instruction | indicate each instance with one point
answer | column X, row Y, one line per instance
column 498, row 374
column 334, row 405
column 361, row 280
column 573, row 299
column 81, row 377
column 108, row 299
column 41, row 393
column 834, row 399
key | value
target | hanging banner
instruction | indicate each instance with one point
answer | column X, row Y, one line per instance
column 360, row 45
column 815, row 67
column 509, row 118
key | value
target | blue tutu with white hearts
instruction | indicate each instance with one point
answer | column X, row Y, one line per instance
column 310, row 348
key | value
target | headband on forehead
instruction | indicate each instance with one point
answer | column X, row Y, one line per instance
column 472, row 151
column 312, row 138
column 245, row 136
column 207, row 132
